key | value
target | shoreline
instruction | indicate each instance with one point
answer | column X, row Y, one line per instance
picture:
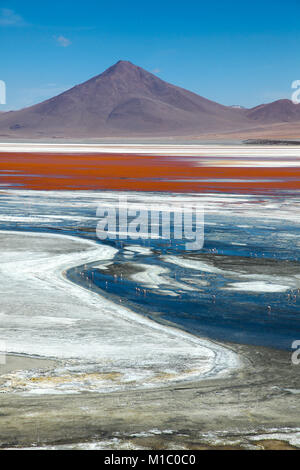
column 220, row 359
column 262, row 393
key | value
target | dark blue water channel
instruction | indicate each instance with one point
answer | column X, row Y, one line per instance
column 198, row 291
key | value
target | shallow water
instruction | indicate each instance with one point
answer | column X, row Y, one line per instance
column 242, row 286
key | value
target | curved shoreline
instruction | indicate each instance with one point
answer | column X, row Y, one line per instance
column 253, row 406
column 49, row 271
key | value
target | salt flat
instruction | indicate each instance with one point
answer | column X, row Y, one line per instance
column 232, row 151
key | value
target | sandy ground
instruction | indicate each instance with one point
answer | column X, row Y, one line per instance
column 15, row 363
column 83, row 401
column 256, row 408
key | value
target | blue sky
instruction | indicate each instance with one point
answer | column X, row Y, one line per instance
column 232, row 52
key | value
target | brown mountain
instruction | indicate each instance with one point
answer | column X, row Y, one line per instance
column 277, row 112
column 126, row 100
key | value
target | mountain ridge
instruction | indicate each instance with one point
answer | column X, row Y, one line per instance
column 126, row 100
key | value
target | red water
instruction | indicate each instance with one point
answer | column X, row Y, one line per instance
column 42, row 171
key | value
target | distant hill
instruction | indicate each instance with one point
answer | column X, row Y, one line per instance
column 278, row 111
column 126, row 100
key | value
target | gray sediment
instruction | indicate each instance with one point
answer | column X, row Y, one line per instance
column 224, row 412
